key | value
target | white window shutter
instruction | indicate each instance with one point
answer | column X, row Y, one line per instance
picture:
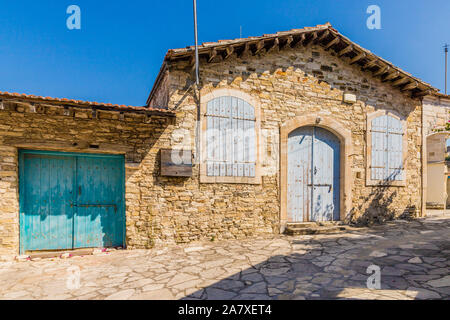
column 379, row 145
column 231, row 137
column 395, row 149
column 253, row 148
column 387, row 149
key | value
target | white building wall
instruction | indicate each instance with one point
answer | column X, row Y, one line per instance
column 436, row 111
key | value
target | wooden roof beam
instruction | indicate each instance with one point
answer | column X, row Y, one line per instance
column 370, row 64
column 311, row 39
column 422, row 93
column 391, row 76
column 347, row 49
column 358, row 57
column 381, row 71
column 410, row 86
column 259, row 46
column 399, row 81
column 212, row 54
column 287, row 43
column 332, row 43
column 192, row 60
column 299, row 42
column 245, row 50
column 323, row 36
column 276, row 43
column 228, row 52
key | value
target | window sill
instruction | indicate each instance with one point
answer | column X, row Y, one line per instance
column 236, row 180
column 382, row 183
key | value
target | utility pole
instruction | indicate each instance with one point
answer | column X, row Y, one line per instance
column 197, row 156
column 197, row 81
column 446, row 54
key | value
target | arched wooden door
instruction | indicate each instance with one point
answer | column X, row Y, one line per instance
column 313, row 175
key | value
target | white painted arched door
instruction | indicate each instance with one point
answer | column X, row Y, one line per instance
column 313, row 175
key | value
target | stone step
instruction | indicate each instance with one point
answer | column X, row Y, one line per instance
column 314, row 224
column 434, row 206
column 438, row 213
column 309, row 228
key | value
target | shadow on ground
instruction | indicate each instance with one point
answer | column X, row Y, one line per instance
column 414, row 264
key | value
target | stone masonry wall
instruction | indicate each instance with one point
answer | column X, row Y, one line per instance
column 307, row 81
column 436, row 113
column 9, row 200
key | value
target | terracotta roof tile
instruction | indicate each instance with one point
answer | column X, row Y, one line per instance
column 119, row 107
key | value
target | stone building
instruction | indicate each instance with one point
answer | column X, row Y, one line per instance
column 292, row 127
column 436, row 110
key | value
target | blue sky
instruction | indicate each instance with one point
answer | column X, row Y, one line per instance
column 117, row 54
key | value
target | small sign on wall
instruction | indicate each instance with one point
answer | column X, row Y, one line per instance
column 176, row 163
column 349, row 98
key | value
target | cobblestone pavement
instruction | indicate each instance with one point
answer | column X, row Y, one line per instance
column 414, row 258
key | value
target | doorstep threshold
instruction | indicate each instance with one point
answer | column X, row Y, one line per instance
column 59, row 253
column 68, row 253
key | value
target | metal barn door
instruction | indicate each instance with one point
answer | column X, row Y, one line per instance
column 70, row 201
column 313, row 175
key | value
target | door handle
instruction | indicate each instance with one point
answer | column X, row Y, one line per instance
column 79, row 190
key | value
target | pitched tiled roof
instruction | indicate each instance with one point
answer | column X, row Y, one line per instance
column 226, row 43
column 324, row 35
column 81, row 103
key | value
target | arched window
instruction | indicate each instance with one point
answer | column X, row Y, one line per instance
column 231, row 147
column 387, row 141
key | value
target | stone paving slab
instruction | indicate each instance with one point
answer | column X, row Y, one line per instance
column 413, row 256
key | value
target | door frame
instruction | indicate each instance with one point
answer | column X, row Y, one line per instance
column 346, row 146
column 22, row 152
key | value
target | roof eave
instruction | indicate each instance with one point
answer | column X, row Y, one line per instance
column 393, row 75
column 67, row 103
column 159, row 77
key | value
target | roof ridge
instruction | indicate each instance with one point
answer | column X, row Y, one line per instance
column 266, row 35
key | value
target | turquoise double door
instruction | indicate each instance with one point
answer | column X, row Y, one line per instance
column 70, row 200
